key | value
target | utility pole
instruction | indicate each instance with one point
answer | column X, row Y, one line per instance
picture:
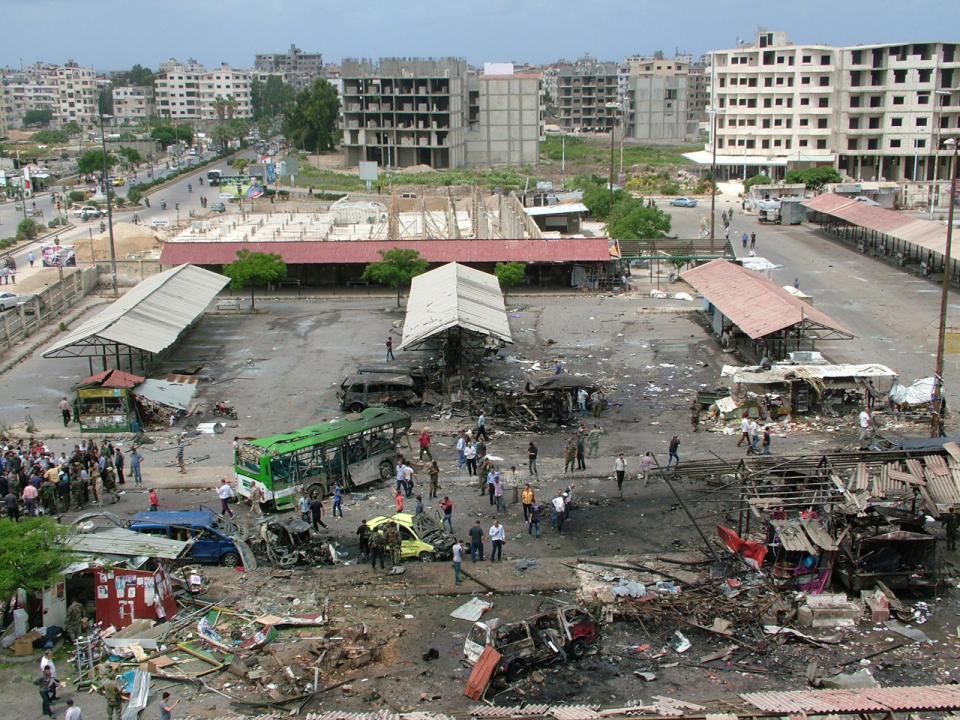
column 936, row 399
column 713, row 178
column 106, row 185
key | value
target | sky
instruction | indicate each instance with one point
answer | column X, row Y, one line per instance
column 114, row 35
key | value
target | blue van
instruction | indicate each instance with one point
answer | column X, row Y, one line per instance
column 216, row 539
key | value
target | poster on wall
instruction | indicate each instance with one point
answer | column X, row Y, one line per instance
column 58, row 255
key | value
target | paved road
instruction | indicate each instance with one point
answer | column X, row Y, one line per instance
column 894, row 314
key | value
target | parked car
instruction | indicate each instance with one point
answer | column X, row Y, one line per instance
column 118, row 181
column 683, row 202
column 218, row 207
column 87, row 212
column 566, row 630
column 216, row 539
column 8, row 300
column 421, row 537
column 359, row 392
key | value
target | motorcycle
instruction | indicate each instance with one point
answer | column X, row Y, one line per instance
column 163, row 204
column 224, row 409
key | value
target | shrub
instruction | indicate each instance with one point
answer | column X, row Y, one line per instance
column 77, row 196
column 53, row 223
column 27, row 229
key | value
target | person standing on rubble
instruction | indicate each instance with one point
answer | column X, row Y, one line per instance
column 154, row 500
column 461, row 448
column 256, row 495
column 620, row 468
column 766, row 440
column 582, row 396
column 470, row 455
column 378, row 545
column 581, row 464
column 527, row 499
column 866, row 427
column 408, row 477
column 363, row 534
column 398, row 501
column 498, row 492
column 446, row 507
column 399, row 469
column 744, row 429
column 136, row 457
column 534, row 521
column 394, row 544
column 569, row 455
column 434, row 478
column 482, row 426
column 673, row 448
column 596, row 402
column 754, row 437
column 950, row 521
column 303, row 505
column 457, row 551
column 114, row 697
column 594, row 437
column 425, row 444
column 532, row 459
column 316, row 512
column 499, row 536
column 166, row 707
column 559, row 512
column 337, row 500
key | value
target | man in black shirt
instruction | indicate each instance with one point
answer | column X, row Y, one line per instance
column 476, row 541
column 316, row 512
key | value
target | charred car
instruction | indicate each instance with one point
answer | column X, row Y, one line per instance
column 551, row 636
column 291, row 541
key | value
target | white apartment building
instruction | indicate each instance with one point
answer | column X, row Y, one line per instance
column 77, row 92
column 188, row 91
column 875, row 112
column 230, row 85
column 21, row 95
column 133, row 104
column 775, row 105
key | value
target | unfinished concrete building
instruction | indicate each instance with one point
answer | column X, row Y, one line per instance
column 505, row 117
column 400, row 112
column 587, row 97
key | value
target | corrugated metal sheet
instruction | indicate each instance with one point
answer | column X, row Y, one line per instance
column 781, row 373
column 366, row 251
column 574, row 712
column 561, row 209
column 827, row 203
column 872, row 217
column 892, row 699
column 112, row 378
column 757, row 306
column 454, row 295
column 120, row 541
column 152, row 315
column 792, row 536
column 172, row 394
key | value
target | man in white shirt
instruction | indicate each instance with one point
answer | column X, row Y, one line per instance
column 225, row 492
column 47, row 661
column 866, row 426
column 457, row 560
column 559, row 511
column 744, row 430
column 620, row 467
column 73, row 711
column 754, row 434
column 499, row 537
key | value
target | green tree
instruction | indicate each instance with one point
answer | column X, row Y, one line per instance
column 31, row 554
column 240, row 164
column 597, row 198
column 630, row 219
column 105, row 100
column 131, row 154
column 222, row 135
column 71, row 128
column 139, row 75
column 167, row 135
column 271, row 98
column 510, row 274
column 39, row 117
column 398, row 267
column 254, row 269
column 50, row 137
column 27, row 229
column 311, row 123
column 756, row 180
column 92, row 162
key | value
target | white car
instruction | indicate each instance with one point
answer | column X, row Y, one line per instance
column 8, row 300
column 88, row 211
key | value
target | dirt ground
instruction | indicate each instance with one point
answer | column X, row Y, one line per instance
column 281, row 368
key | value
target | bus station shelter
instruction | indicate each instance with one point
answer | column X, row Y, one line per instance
column 145, row 322
column 750, row 311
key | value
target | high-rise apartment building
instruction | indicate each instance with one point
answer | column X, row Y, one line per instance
column 294, row 66
column 188, row 91
column 403, row 112
column 177, row 89
column 872, row 111
column 225, row 93
column 68, row 91
column 587, row 96
column 77, row 93
column 133, row 104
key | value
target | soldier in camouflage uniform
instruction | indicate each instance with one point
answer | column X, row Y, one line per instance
column 48, row 497
column 110, row 482
column 377, row 546
column 76, row 488
column 63, row 490
column 74, row 624
column 13, row 482
column 114, row 697
column 392, row 536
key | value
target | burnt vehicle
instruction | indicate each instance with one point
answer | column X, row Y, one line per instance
column 553, row 635
column 553, row 400
column 363, row 391
column 291, row 541
column 422, row 537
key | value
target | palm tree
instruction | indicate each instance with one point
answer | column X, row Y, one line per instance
column 230, row 105
column 219, row 105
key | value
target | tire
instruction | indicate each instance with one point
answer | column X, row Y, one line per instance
column 514, row 671
column 426, row 556
column 356, row 407
column 230, row 559
column 386, row 470
column 578, row 648
column 315, row 488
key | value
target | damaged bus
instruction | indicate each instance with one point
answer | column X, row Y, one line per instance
column 355, row 450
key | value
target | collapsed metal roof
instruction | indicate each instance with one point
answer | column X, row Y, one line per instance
column 150, row 317
column 783, row 373
column 117, row 541
column 451, row 296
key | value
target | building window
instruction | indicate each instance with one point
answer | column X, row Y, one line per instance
column 923, row 98
column 854, row 101
column 873, row 144
column 779, row 101
column 854, row 123
column 874, row 123
column 804, row 101
column 802, row 143
column 765, row 144
column 855, row 78
column 852, row 143
column 925, row 75
column 805, row 80
column 806, row 59
column 767, row 102
column 778, row 122
column 898, row 99
column 899, row 76
column 921, row 143
column 776, row 143
column 894, row 143
column 896, row 122
column 779, row 59
column 824, row 81
column 804, row 122
column 921, row 122
column 822, row 123
column 823, row 102
column 766, row 123
column 825, row 59
column 876, row 100
column 821, row 144
column 768, row 82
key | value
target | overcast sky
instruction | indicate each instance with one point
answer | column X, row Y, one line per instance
column 114, row 35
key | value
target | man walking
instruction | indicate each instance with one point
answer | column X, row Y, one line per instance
column 482, row 427
column 75, row 713
column 744, row 430
column 180, row 461
column 534, row 521
column 582, row 395
column 866, row 427
column 594, row 437
column 46, row 685
column 753, row 241
column 425, row 444
column 620, row 468
column 476, row 542
column 337, row 500
column 569, row 455
column 389, row 345
column 225, row 493
column 461, row 448
column 316, row 512
column 135, row 459
column 166, row 707
column 559, row 512
column 446, row 507
column 581, row 464
column 113, row 696
column 499, row 536
column 434, row 478
column 378, row 545
column 527, row 499
column 498, row 492
column 457, row 560
column 744, row 239
column 363, row 535
column 674, row 446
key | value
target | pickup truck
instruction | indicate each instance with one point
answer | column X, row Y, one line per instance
column 87, row 212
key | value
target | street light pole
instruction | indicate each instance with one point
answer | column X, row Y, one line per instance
column 936, row 148
column 107, row 185
column 935, row 395
column 713, row 178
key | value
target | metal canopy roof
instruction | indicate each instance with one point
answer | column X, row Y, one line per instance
column 758, row 306
column 123, row 542
column 149, row 318
column 454, row 295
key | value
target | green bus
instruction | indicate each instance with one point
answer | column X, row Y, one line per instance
column 354, row 450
